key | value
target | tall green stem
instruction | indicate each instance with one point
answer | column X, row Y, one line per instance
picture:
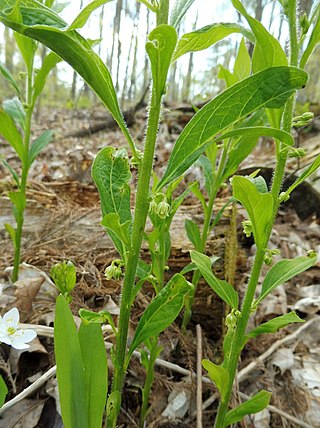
column 24, row 175
column 141, row 212
column 240, row 330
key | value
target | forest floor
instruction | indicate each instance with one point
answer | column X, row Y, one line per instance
column 63, row 222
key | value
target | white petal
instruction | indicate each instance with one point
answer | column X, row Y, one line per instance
column 6, row 340
column 27, row 335
column 11, row 317
column 18, row 344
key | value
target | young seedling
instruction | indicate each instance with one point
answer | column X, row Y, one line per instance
column 15, row 126
column 270, row 88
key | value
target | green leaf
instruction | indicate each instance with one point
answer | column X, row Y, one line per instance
column 207, row 36
column 18, row 199
column 64, row 276
column 218, row 375
column 306, row 173
column 313, row 41
column 207, row 168
column 70, row 370
column 160, row 47
column 283, row 271
column 161, row 312
column 94, row 359
column 259, row 207
column 193, row 233
column 12, row 233
column 10, row 132
column 8, row 76
column 39, row 144
column 15, row 110
column 254, row 405
column 113, row 407
column 267, row 50
column 242, row 64
column 48, row 28
column 122, row 231
column 227, row 76
column 49, row 62
column 12, row 171
column 260, row 131
column 3, row 391
column 223, row 289
column 275, row 324
column 85, row 14
column 101, row 317
column 28, row 48
column 269, row 88
column 111, row 174
column 179, row 9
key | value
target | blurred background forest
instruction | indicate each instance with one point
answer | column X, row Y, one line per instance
column 118, row 30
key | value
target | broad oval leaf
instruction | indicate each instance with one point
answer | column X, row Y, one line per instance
column 160, row 47
column 254, row 405
column 207, row 36
column 48, row 28
column 111, row 174
column 95, row 364
column 275, row 324
column 223, row 289
column 70, row 370
column 162, row 311
column 269, row 88
column 259, row 207
column 193, row 233
column 219, row 375
column 283, row 271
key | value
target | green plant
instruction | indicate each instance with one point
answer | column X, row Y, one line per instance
column 254, row 104
column 15, row 126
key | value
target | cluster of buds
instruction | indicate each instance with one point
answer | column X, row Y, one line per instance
column 247, row 228
column 283, row 197
column 302, row 120
column 269, row 254
column 297, row 153
column 114, row 271
column 161, row 208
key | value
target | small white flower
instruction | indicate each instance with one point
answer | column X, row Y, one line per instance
column 10, row 332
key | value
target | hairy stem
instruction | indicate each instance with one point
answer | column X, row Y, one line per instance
column 141, row 212
column 237, row 344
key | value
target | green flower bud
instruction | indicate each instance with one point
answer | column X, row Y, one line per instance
column 163, row 210
column 247, row 228
column 114, row 271
column 283, row 197
column 297, row 153
column 64, row 276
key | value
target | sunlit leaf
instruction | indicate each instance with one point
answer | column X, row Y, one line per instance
column 3, row 391
column 49, row 62
column 39, row 144
column 85, row 14
column 269, row 88
column 160, row 47
column 10, row 132
column 179, row 9
column 207, row 36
